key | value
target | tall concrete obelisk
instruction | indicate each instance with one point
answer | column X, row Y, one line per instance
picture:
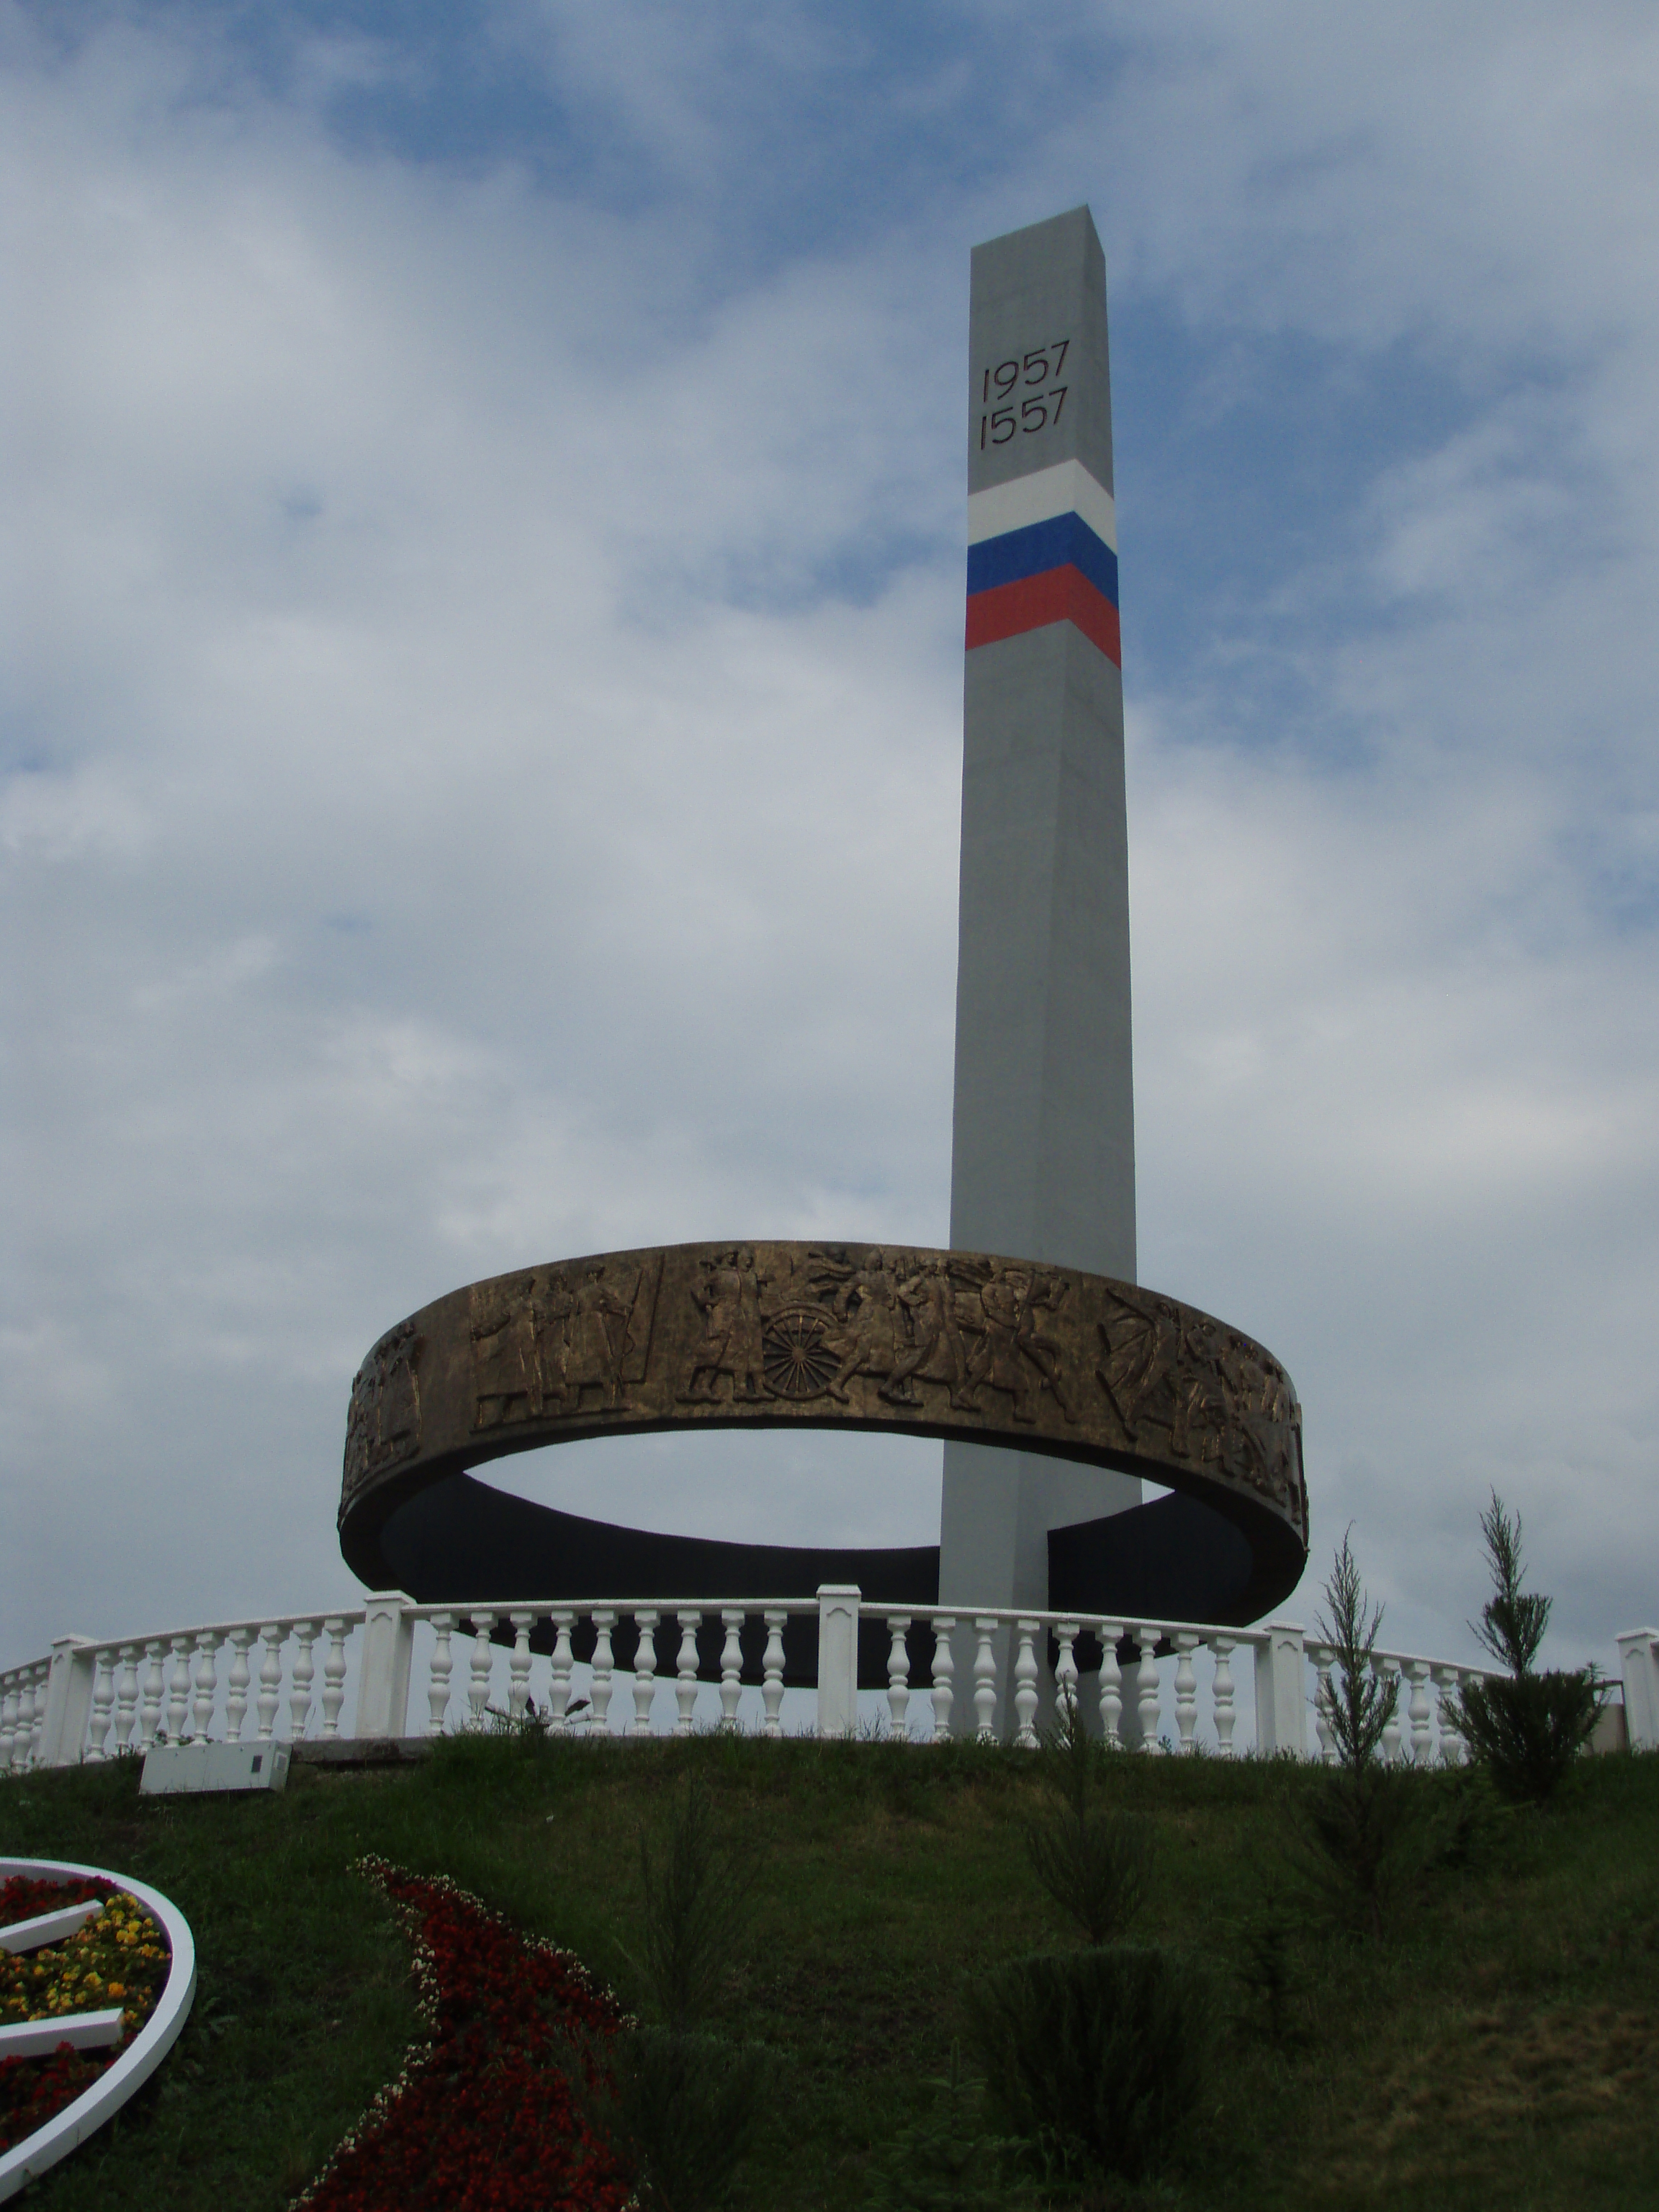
column 1042, row 1163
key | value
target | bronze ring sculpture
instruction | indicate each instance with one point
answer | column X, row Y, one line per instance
column 956, row 1345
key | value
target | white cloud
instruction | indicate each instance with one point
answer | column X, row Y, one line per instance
column 481, row 766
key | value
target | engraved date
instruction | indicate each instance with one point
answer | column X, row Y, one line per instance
column 1021, row 397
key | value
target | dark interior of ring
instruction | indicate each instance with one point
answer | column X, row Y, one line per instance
column 1173, row 1559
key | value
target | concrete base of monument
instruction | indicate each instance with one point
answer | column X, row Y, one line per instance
column 458, row 1541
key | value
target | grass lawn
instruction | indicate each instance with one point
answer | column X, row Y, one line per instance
column 1500, row 2047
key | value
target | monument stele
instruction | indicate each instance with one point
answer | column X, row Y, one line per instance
column 1056, row 1383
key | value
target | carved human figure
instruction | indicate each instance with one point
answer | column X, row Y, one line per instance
column 1138, row 1347
column 1201, row 1420
column 1262, row 1414
column 1046, row 1294
column 937, row 1353
column 868, row 1340
column 399, row 1410
column 748, row 1337
column 596, row 1347
column 998, row 1360
column 550, row 1318
column 505, row 1374
column 721, row 1295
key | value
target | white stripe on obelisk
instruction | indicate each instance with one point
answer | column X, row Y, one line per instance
column 1065, row 488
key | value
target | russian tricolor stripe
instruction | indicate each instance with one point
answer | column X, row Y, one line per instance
column 1042, row 549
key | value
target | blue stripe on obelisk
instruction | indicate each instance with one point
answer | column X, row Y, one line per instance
column 1065, row 539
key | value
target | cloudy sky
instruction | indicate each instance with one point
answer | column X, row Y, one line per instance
column 484, row 491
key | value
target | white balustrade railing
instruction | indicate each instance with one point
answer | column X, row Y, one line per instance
column 992, row 1672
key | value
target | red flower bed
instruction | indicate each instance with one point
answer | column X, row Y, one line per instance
column 23, row 1899
column 35, row 2090
column 481, row 2119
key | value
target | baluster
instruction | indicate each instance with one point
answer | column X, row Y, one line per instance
column 483, row 1656
column 985, row 1680
column 517, row 1696
column 1384, row 1670
column 1146, row 1681
column 944, row 1669
column 299, row 1701
column 242, row 1641
column 1419, row 1671
column 1186, row 1687
column 15, row 1719
column 437, row 1681
column 208, row 1641
column 272, row 1636
column 1066, row 1634
column 898, row 1677
column 103, row 1701
column 685, row 1674
column 9, row 1704
column 126, row 1699
column 1451, row 1740
column 1111, row 1683
column 772, row 1669
column 731, row 1671
column 1025, row 1685
column 334, row 1675
column 150, row 1711
column 179, row 1688
column 1223, row 1647
column 558, row 1692
column 645, row 1671
column 38, row 1727
column 599, row 1693
column 1322, row 1656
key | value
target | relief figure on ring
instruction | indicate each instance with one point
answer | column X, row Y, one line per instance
column 506, row 1372
column 870, row 1334
column 384, row 1424
column 937, row 1352
column 1013, row 1343
column 733, row 1331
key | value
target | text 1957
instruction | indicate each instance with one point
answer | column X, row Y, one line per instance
column 1031, row 389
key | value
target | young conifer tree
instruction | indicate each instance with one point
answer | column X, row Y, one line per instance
column 1359, row 1703
column 1528, row 1729
column 1359, row 1844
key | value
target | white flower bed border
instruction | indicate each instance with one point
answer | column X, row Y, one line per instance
column 65, row 2130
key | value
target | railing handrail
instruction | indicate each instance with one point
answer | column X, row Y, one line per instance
column 1318, row 1645
column 351, row 1616
column 990, row 1662
column 457, row 1609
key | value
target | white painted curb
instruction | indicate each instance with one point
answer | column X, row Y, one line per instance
column 149, row 2047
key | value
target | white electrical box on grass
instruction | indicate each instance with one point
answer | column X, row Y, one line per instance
column 169, row 1767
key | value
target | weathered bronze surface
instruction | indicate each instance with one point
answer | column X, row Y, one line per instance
column 943, row 1343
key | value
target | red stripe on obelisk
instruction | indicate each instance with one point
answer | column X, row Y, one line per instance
column 1058, row 595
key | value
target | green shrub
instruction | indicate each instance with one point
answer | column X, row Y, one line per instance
column 1361, row 1845
column 1527, row 1730
column 680, row 2108
column 943, row 2163
column 1095, row 2058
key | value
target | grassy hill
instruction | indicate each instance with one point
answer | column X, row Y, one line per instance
column 1499, row 2047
